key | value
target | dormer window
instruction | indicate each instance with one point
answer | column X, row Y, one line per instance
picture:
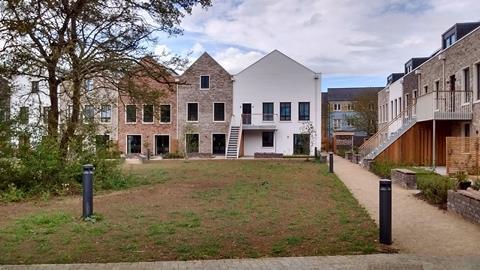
column 204, row 82
column 450, row 40
column 34, row 86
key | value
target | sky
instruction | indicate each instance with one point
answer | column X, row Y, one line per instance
column 353, row 43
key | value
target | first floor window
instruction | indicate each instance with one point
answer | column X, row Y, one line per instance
column 304, row 111
column 267, row 139
column 23, row 115
column 204, row 82
column 88, row 85
column 89, row 113
column 106, row 113
column 219, row 112
column 336, row 123
column 337, row 107
column 301, row 144
column 134, row 144
column 192, row 112
column 165, row 113
column 192, row 142
column 131, row 111
column 45, row 113
column 285, row 111
column 268, row 111
column 148, row 113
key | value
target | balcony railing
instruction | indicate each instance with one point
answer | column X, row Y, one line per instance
column 259, row 119
column 445, row 105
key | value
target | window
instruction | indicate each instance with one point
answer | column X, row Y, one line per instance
column 164, row 113
column 147, row 113
column 350, row 107
column 301, row 144
column 391, row 109
column 219, row 112
column 267, row 139
column 192, row 112
column 134, row 144
column 131, row 113
column 267, row 111
column 89, row 113
column 204, row 82
column 304, row 111
column 396, row 107
column 23, row 115
column 337, row 107
column 106, row 113
column 466, row 84
column 285, row 111
column 350, row 122
column 336, row 123
column 35, row 87
column 478, row 80
column 450, row 40
column 45, row 113
column 192, row 143
column 88, row 85
column 400, row 105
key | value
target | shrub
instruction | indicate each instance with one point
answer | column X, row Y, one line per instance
column 434, row 187
column 175, row 155
column 12, row 194
column 383, row 168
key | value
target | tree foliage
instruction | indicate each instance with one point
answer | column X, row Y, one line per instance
column 365, row 117
column 66, row 42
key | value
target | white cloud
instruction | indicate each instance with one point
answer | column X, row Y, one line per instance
column 330, row 36
column 234, row 60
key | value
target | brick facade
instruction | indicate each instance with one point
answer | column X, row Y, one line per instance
column 220, row 91
column 149, row 131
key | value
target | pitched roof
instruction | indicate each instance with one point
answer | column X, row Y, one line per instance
column 350, row 94
column 209, row 57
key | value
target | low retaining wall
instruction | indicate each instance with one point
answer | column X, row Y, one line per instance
column 268, row 155
column 465, row 203
column 406, row 178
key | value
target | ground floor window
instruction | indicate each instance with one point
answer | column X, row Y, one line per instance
column 301, row 144
column 267, row 139
column 134, row 144
column 101, row 141
column 162, row 144
column 218, row 144
column 192, row 142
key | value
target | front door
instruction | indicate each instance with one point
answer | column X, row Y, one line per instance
column 247, row 113
column 218, row 144
column 162, row 144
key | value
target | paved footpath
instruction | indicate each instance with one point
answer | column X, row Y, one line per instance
column 418, row 227
column 361, row 262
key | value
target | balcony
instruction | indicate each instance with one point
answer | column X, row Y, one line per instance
column 444, row 105
column 259, row 121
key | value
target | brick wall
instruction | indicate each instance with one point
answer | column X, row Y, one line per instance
column 221, row 90
column 463, row 154
column 405, row 178
column 464, row 205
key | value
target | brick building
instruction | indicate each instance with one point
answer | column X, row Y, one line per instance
column 205, row 93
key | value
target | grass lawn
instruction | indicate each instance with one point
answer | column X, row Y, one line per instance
column 196, row 210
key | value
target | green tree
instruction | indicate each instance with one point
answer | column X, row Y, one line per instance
column 365, row 117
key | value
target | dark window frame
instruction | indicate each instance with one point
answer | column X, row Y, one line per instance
column 269, row 140
column 222, row 118
column 45, row 114
column 89, row 113
column 202, row 77
column 106, row 114
column 268, row 113
column 304, row 113
column 190, row 114
column 151, row 118
column 128, row 118
column 35, row 86
column 139, row 146
column 162, row 114
column 298, row 144
column 285, row 111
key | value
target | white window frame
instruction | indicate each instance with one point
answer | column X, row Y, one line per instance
column 126, row 143
column 224, row 112
column 111, row 110
column 160, row 113
column 198, row 112
column 339, row 121
column 209, row 81
column 335, row 109
column 126, row 113
column 143, row 114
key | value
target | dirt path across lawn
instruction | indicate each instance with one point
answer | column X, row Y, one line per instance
column 418, row 227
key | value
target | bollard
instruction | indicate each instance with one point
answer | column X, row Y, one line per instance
column 385, row 212
column 316, row 153
column 330, row 160
column 87, row 190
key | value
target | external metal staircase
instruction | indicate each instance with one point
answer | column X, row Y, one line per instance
column 234, row 136
column 388, row 133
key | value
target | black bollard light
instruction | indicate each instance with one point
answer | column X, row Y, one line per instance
column 87, row 190
column 330, row 160
column 316, row 153
column 385, row 212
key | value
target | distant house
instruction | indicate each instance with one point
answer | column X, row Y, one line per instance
column 342, row 102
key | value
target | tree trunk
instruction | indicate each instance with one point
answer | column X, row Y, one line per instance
column 53, row 115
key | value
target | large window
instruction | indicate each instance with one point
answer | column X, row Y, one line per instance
column 131, row 111
column 301, row 144
column 304, row 111
column 478, row 80
column 192, row 112
column 147, row 113
column 106, row 113
column 134, row 144
column 165, row 114
column 204, row 82
column 35, row 87
column 89, row 113
column 267, row 139
column 192, row 142
column 466, row 84
column 219, row 112
column 268, row 111
column 285, row 111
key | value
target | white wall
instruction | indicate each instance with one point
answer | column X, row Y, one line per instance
column 396, row 92
column 277, row 78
